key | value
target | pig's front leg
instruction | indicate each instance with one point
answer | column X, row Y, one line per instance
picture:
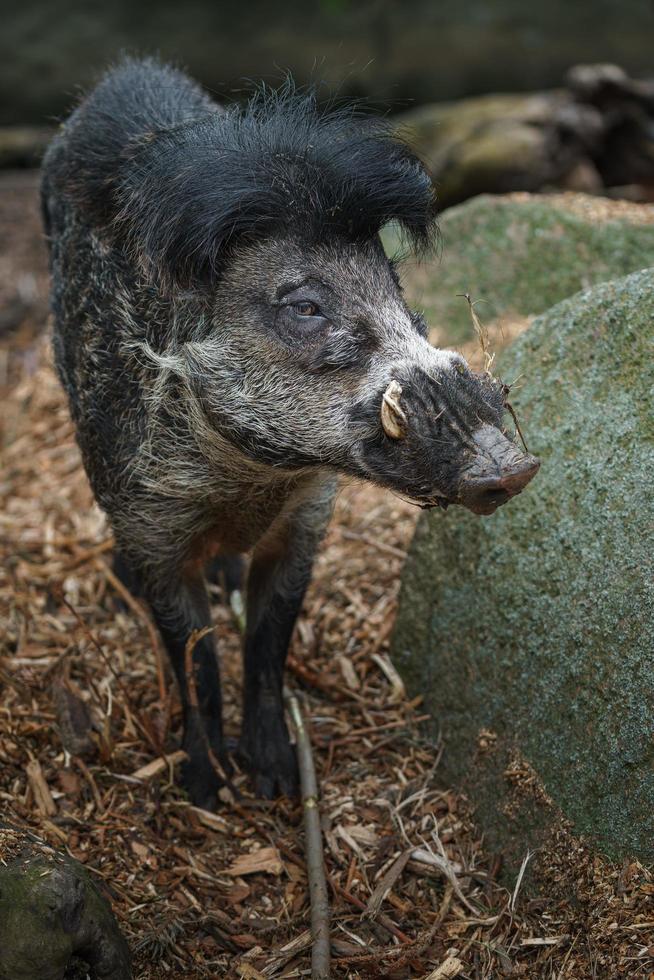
column 179, row 608
column 278, row 578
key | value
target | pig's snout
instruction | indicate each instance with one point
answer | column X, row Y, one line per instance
column 442, row 441
column 498, row 471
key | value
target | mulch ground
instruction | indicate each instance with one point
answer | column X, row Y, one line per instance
column 89, row 723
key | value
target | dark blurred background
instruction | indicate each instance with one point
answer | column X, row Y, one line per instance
column 495, row 95
column 393, row 52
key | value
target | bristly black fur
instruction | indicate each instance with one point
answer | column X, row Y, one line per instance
column 151, row 157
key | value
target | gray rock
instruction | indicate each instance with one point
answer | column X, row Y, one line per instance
column 531, row 633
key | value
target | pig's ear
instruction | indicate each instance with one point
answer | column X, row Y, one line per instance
column 384, row 181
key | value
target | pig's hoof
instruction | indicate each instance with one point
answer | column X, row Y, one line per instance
column 271, row 763
column 207, row 767
column 202, row 782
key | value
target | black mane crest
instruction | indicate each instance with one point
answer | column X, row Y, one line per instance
column 184, row 180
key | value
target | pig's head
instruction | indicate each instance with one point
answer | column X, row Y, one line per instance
column 329, row 367
column 308, row 355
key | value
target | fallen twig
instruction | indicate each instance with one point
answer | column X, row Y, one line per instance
column 320, row 952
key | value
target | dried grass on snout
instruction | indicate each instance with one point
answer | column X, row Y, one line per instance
column 483, row 338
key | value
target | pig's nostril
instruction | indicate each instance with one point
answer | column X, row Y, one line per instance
column 491, row 493
column 483, row 496
column 497, row 472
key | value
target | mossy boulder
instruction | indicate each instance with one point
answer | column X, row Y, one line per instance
column 531, row 632
column 520, row 254
column 54, row 921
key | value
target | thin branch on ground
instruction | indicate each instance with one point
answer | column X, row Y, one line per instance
column 320, row 952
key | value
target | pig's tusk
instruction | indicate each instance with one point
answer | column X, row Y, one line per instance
column 393, row 420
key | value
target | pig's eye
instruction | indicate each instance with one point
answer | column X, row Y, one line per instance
column 306, row 308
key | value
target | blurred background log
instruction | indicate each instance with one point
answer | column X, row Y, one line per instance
column 595, row 135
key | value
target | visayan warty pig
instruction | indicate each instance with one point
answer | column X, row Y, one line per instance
column 231, row 337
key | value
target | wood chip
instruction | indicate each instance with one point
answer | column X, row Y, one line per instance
column 248, row 972
column 363, row 835
column 73, row 720
column 157, row 766
column 394, row 679
column 351, row 843
column 211, row 820
column 287, row 952
column 385, row 884
column 266, row 860
column 451, row 967
column 40, row 789
column 349, row 673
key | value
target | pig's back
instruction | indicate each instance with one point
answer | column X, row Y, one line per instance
column 100, row 299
